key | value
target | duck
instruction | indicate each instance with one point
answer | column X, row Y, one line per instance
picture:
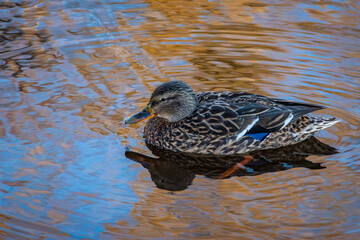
column 224, row 123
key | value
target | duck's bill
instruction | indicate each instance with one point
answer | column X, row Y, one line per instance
column 144, row 114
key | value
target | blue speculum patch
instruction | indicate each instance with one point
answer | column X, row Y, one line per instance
column 258, row 136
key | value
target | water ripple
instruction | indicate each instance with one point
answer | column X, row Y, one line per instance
column 72, row 71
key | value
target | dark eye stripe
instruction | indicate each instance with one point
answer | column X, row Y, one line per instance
column 173, row 97
column 156, row 102
column 168, row 98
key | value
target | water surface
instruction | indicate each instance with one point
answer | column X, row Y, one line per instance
column 71, row 71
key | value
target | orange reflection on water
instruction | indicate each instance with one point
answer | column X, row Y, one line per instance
column 72, row 71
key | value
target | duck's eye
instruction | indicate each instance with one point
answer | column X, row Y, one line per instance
column 163, row 99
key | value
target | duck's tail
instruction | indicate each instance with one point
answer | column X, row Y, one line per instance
column 300, row 130
column 316, row 124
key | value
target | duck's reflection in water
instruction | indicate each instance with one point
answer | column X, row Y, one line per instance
column 176, row 171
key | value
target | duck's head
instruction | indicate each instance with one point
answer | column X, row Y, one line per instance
column 172, row 101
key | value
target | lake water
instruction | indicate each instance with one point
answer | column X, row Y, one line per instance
column 72, row 71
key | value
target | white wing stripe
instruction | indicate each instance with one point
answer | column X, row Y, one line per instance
column 243, row 132
column 286, row 122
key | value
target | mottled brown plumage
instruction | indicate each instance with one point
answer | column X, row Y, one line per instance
column 224, row 123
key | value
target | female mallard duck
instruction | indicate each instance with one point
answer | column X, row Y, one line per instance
column 224, row 123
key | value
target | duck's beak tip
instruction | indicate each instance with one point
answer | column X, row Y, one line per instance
column 144, row 114
column 133, row 119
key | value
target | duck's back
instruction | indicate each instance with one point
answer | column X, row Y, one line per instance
column 243, row 97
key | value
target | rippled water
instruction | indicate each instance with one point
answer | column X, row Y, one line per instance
column 71, row 71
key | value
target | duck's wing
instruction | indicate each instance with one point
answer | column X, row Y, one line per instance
column 245, row 118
